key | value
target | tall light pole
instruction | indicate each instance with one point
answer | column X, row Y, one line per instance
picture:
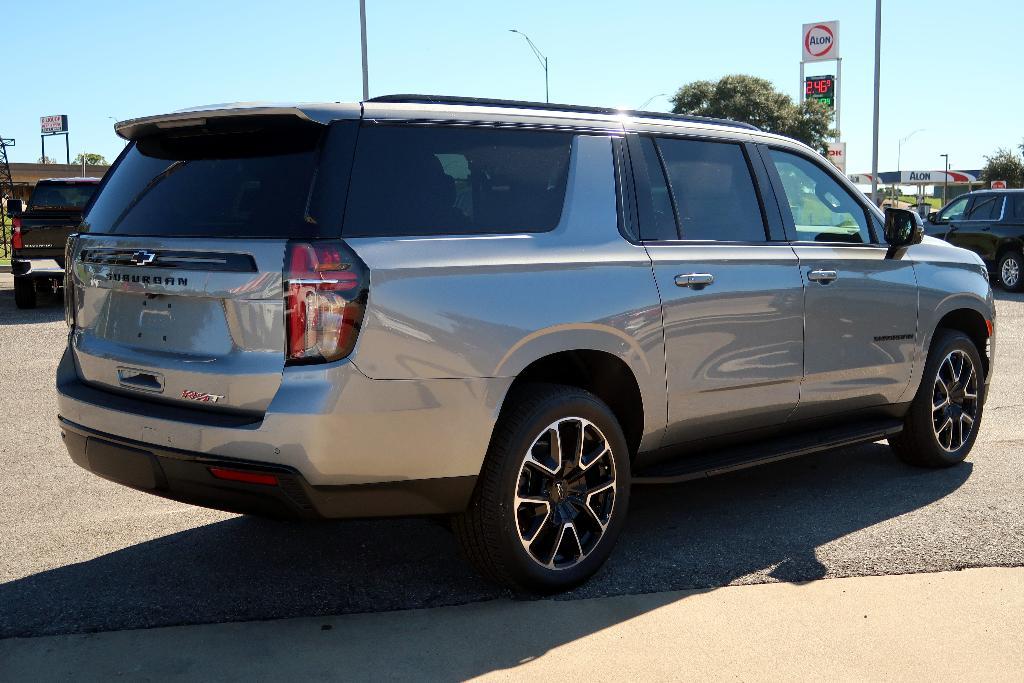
column 651, row 99
column 899, row 153
column 540, row 58
column 878, row 77
column 945, row 179
column 362, row 40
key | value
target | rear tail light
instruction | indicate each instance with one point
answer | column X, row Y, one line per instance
column 16, row 240
column 244, row 476
column 325, row 295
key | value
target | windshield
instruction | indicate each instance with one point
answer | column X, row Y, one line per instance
column 248, row 181
column 61, row 195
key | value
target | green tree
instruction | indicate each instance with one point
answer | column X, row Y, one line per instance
column 46, row 160
column 755, row 100
column 1006, row 165
column 91, row 159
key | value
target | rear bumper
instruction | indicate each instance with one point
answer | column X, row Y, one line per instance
column 187, row 477
column 36, row 267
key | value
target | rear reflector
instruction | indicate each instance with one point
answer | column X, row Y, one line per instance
column 244, row 476
column 16, row 239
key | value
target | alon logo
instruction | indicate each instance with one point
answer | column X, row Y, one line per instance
column 819, row 40
column 920, row 175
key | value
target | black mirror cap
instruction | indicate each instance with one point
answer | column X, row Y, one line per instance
column 903, row 227
column 15, row 207
column 933, row 216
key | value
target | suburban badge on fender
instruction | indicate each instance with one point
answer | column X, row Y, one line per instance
column 200, row 396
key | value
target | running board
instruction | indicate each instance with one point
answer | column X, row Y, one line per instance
column 738, row 458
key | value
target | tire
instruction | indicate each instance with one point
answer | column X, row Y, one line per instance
column 24, row 292
column 509, row 540
column 1011, row 271
column 960, row 390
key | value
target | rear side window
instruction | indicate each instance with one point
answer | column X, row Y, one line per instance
column 250, row 180
column 1018, row 206
column 714, row 192
column 657, row 216
column 61, row 195
column 437, row 180
column 985, row 208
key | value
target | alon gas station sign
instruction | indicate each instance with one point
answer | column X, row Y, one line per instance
column 821, row 41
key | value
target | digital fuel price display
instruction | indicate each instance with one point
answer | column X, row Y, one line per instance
column 821, row 88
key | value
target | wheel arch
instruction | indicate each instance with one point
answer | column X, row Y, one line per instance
column 604, row 374
column 971, row 322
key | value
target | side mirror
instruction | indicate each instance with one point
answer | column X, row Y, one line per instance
column 15, row 207
column 902, row 228
column 933, row 216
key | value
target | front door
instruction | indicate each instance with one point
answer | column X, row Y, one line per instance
column 860, row 305
column 973, row 230
column 732, row 299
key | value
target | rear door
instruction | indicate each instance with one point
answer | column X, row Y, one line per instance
column 732, row 297
column 973, row 230
column 178, row 273
column 860, row 305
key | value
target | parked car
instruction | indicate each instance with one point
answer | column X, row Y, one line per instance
column 505, row 312
column 991, row 224
column 39, row 234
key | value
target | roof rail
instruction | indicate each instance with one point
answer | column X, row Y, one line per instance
column 548, row 106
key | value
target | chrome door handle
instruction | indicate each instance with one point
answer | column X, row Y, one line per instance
column 822, row 276
column 695, row 280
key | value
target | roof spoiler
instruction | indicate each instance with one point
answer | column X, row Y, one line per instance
column 133, row 129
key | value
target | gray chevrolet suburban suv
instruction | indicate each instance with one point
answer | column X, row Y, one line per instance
column 500, row 311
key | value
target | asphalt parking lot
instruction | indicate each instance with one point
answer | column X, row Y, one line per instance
column 79, row 554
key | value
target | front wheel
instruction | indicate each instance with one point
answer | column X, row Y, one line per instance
column 553, row 492
column 942, row 423
column 1011, row 271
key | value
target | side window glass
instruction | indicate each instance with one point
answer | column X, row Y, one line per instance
column 661, row 223
column 822, row 209
column 714, row 193
column 986, row 209
column 955, row 211
column 1018, row 206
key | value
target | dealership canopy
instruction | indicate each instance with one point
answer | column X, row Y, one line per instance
column 920, row 177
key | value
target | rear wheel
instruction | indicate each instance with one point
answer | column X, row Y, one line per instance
column 24, row 292
column 943, row 421
column 552, row 494
column 1011, row 271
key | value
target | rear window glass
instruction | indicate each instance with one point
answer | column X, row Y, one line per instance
column 240, row 181
column 61, row 195
column 419, row 180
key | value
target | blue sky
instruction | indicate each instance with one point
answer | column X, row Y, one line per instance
column 951, row 68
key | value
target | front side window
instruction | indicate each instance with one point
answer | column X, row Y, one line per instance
column 437, row 180
column 822, row 209
column 954, row 211
column 986, row 209
column 714, row 192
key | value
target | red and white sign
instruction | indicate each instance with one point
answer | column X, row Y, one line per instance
column 998, row 184
column 837, row 155
column 58, row 123
column 820, row 41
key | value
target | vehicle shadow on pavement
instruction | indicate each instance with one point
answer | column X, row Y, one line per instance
column 49, row 308
column 700, row 535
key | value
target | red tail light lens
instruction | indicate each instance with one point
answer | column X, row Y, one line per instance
column 16, row 240
column 326, row 287
column 244, row 476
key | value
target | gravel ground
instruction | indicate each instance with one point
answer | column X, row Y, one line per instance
column 80, row 554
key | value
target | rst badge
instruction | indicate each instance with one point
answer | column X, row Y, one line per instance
column 200, row 396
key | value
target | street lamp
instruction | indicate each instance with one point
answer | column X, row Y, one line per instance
column 945, row 179
column 899, row 152
column 540, row 58
column 650, row 99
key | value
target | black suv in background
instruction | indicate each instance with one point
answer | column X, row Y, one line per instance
column 991, row 224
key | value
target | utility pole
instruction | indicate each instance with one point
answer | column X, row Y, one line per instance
column 362, row 39
column 878, row 77
column 945, row 179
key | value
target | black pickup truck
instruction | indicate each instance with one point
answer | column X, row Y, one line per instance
column 40, row 231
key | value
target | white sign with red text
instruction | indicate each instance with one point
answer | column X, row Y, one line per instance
column 837, row 155
column 820, row 41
